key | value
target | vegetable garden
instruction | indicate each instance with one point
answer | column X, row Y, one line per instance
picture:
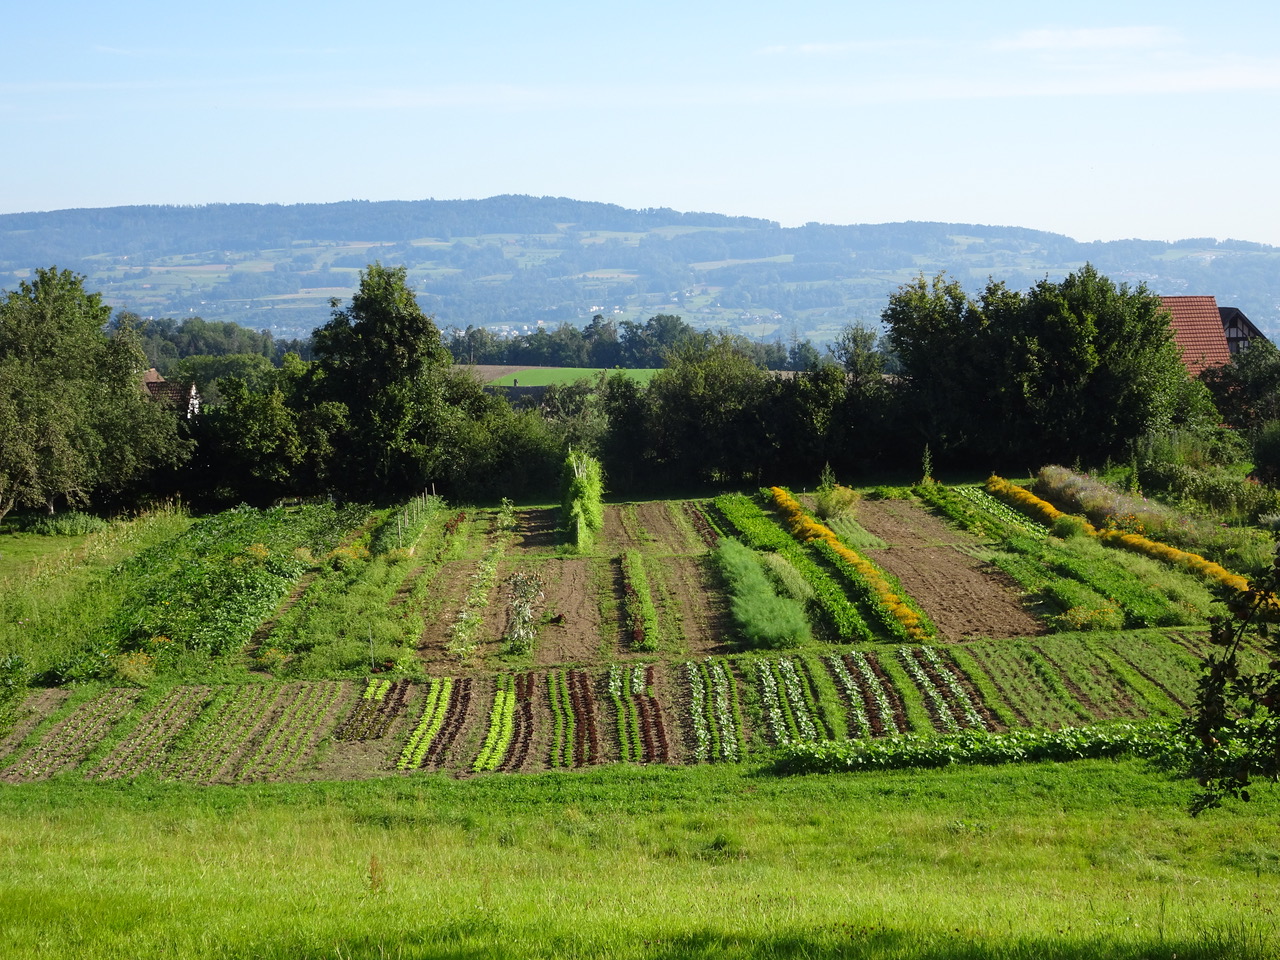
column 313, row 642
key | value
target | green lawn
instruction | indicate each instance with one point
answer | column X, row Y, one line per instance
column 1090, row 859
column 19, row 550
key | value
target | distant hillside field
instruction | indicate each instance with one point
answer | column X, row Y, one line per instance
column 511, row 263
column 513, row 376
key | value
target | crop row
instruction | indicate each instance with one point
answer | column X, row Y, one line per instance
column 1086, row 586
column 869, row 697
column 434, row 710
column 876, row 588
column 948, row 702
column 501, row 725
column 830, row 602
column 304, row 719
column 726, row 708
column 382, row 702
column 1000, row 510
column 705, row 530
column 222, row 732
column 524, row 595
column 642, row 734
column 575, row 734
column 1026, row 500
column 713, row 711
column 786, row 702
column 637, row 603
column 464, row 632
column 145, row 747
column 68, row 742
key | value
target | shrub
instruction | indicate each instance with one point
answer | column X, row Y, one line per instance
column 135, row 667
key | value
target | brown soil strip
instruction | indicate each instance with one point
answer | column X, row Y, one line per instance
column 620, row 533
column 452, row 582
column 665, row 531
column 963, row 596
column 535, row 531
column 489, row 372
column 700, row 604
column 573, row 634
column 665, row 680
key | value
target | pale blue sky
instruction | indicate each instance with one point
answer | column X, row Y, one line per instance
column 1097, row 120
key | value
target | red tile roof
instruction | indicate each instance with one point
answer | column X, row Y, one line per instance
column 1197, row 329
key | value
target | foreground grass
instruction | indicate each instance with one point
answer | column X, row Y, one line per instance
column 1075, row 860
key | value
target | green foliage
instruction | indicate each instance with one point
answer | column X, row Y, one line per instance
column 582, row 506
column 71, row 523
column 643, row 630
column 1154, row 739
column 830, row 602
column 403, row 527
column 1079, row 365
column 835, row 502
column 74, row 421
column 1235, row 721
column 1239, row 549
column 764, row 619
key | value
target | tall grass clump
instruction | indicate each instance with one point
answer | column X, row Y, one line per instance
column 832, row 500
column 583, row 506
column 765, row 619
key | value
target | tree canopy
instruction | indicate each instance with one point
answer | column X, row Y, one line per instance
column 1081, row 365
column 74, row 416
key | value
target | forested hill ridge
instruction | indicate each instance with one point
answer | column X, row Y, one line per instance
column 517, row 261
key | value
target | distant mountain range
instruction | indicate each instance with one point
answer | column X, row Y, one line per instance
column 516, row 261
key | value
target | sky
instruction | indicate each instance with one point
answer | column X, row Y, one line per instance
column 1095, row 120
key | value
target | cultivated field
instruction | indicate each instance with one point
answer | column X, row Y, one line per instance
column 311, row 643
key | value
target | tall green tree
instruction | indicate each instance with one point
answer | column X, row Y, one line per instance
column 1076, row 368
column 382, row 359
column 75, row 420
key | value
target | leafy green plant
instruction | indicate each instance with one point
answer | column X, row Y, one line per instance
column 637, row 602
column 979, row 747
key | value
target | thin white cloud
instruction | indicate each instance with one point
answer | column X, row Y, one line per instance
column 1090, row 38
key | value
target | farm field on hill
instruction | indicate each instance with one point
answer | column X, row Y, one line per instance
column 500, row 375
column 309, row 643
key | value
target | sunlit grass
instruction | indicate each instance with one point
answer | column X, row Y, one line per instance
column 1086, row 859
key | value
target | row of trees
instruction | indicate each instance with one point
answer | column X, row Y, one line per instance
column 605, row 343
column 1076, row 369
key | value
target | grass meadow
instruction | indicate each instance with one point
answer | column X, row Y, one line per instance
column 1087, row 859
